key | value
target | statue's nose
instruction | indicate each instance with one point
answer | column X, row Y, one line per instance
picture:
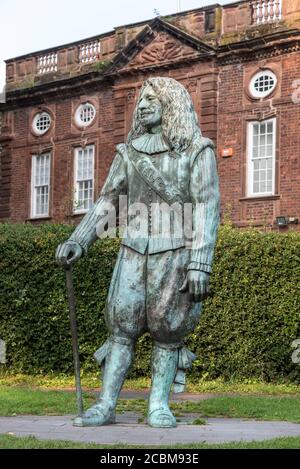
column 143, row 104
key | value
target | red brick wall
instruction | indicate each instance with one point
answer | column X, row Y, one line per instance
column 235, row 110
column 61, row 140
column 114, row 107
column 219, row 89
column 223, row 107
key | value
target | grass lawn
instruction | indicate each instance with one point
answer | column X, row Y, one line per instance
column 12, row 442
column 23, row 395
column 91, row 381
column 22, row 401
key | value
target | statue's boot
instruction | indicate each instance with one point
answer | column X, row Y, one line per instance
column 164, row 366
column 117, row 363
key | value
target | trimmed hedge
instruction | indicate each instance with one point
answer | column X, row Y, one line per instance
column 245, row 331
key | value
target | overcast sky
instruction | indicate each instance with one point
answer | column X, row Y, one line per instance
column 31, row 25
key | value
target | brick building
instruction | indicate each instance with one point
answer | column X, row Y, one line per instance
column 68, row 107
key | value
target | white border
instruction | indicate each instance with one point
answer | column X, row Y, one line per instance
column 78, row 121
column 250, row 192
column 75, row 202
column 32, row 187
column 34, row 122
column 256, row 94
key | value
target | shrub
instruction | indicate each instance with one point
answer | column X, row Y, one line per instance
column 246, row 328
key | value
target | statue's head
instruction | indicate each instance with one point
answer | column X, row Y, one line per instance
column 164, row 101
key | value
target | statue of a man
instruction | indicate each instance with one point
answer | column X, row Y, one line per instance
column 159, row 280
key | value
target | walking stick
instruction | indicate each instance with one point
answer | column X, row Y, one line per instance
column 73, row 322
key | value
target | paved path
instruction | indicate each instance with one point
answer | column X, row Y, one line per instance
column 182, row 396
column 129, row 431
column 144, row 394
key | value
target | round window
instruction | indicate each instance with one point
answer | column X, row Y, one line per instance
column 41, row 123
column 85, row 114
column 262, row 84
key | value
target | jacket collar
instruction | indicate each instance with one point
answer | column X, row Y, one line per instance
column 150, row 144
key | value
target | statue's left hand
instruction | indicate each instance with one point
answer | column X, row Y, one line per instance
column 197, row 284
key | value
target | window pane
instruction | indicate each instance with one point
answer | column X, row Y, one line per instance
column 40, row 196
column 36, row 162
column 256, row 187
column 85, row 114
column 263, row 164
column 269, row 186
column 263, row 186
column 79, row 165
column 269, row 150
column 84, row 180
column 262, row 156
column 262, row 140
column 262, row 152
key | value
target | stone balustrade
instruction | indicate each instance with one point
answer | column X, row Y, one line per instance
column 266, row 11
column 89, row 51
column 47, row 63
column 64, row 61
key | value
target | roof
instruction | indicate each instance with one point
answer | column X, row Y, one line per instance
column 128, row 26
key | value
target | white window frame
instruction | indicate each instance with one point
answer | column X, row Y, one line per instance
column 35, row 187
column 76, row 208
column 250, row 159
column 262, row 94
column 36, row 118
column 79, row 122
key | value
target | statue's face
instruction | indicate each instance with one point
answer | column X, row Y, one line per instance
column 149, row 108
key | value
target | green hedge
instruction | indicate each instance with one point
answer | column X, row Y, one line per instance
column 246, row 328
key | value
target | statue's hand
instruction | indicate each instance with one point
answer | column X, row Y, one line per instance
column 68, row 253
column 197, row 284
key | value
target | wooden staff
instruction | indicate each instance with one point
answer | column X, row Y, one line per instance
column 73, row 322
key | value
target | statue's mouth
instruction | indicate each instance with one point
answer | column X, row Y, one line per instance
column 146, row 114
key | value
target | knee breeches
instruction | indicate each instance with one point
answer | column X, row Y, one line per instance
column 144, row 296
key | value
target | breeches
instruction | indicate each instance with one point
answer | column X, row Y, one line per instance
column 144, row 296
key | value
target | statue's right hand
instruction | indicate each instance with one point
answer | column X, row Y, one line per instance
column 67, row 253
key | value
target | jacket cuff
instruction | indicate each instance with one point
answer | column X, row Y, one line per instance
column 82, row 244
column 200, row 266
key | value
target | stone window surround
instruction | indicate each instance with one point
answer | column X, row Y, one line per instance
column 250, row 70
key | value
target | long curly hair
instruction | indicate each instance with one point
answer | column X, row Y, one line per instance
column 179, row 120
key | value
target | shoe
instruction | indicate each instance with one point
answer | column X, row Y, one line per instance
column 161, row 418
column 98, row 415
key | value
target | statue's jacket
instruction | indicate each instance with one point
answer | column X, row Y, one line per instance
column 147, row 172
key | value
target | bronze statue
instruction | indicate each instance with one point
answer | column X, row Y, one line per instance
column 160, row 277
